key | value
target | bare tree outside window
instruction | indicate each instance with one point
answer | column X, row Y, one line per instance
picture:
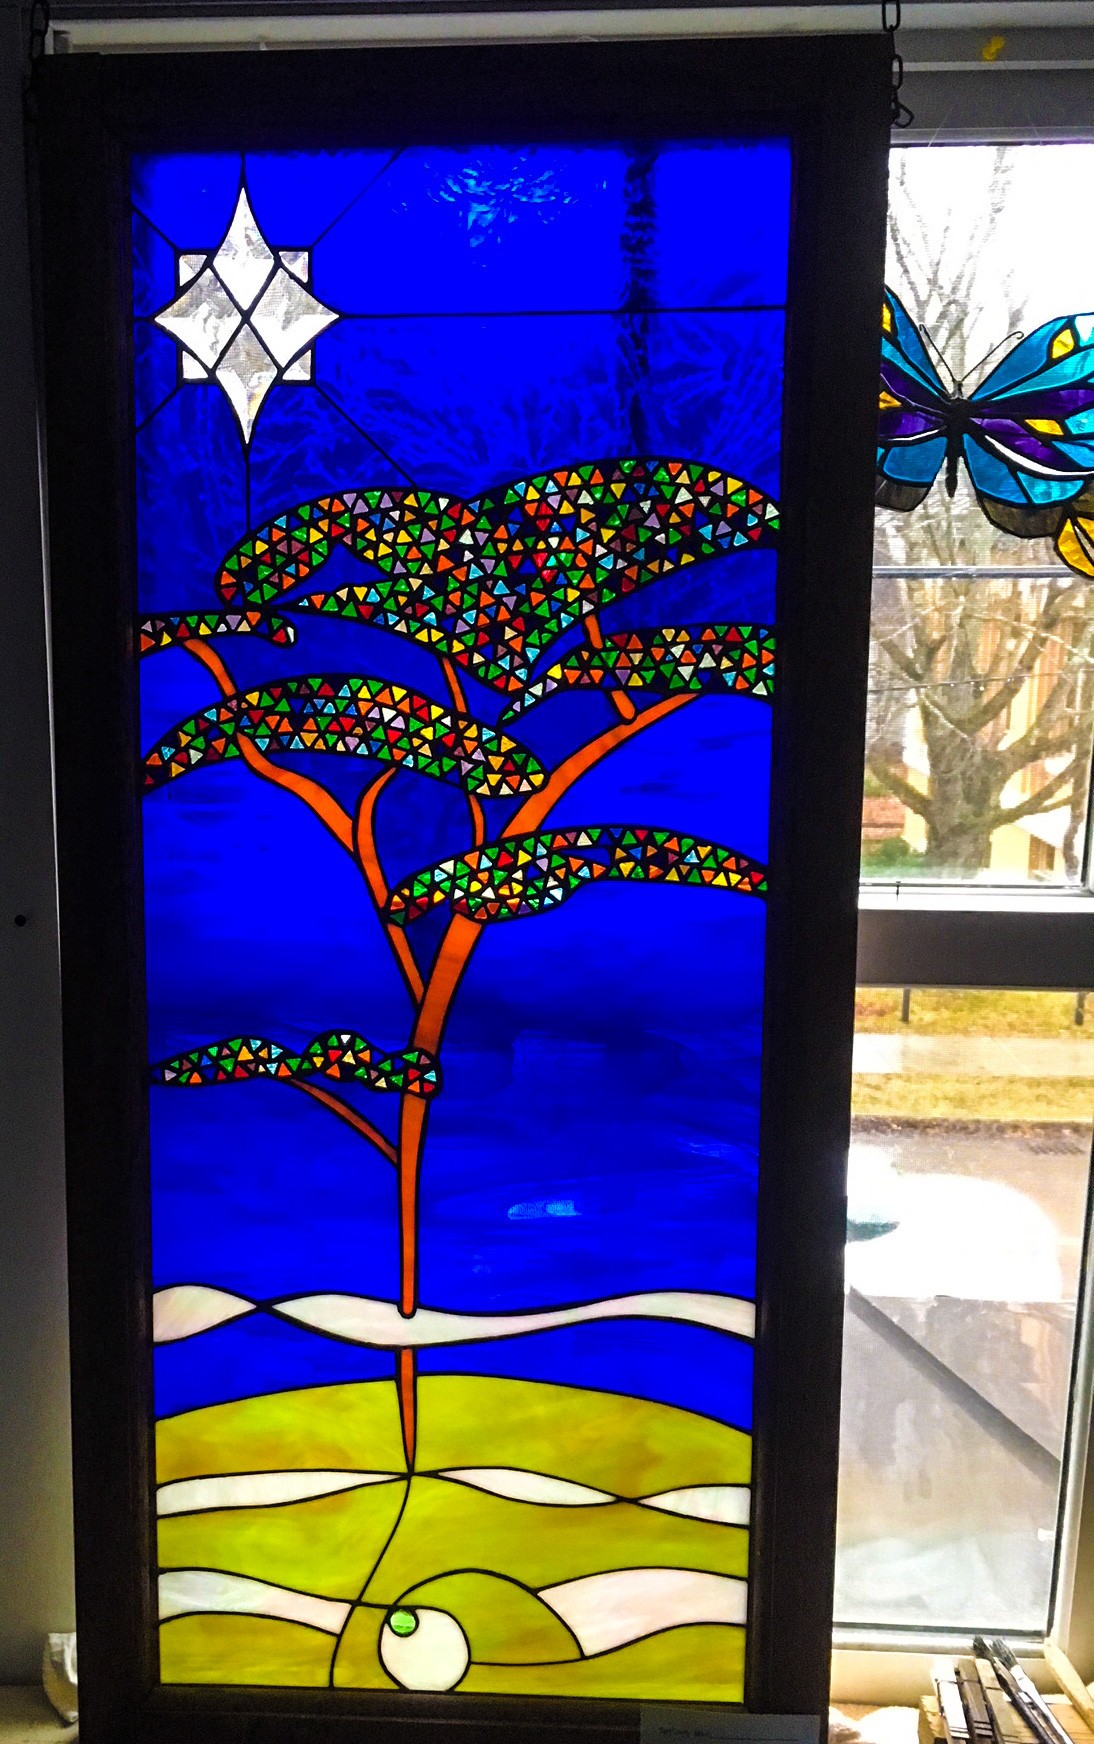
column 981, row 711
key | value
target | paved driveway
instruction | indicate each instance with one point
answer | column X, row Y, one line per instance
column 957, row 1356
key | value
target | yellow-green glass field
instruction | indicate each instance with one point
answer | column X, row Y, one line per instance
column 431, row 1570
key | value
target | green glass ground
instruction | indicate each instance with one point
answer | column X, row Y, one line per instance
column 388, row 1548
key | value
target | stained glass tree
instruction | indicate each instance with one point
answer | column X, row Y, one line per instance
column 489, row 586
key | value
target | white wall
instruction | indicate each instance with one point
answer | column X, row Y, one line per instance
column 35, row 1501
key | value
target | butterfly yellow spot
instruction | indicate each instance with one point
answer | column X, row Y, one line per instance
column 886, row 318
column 1062, row 344
column 1045, row 426
column 886, row 402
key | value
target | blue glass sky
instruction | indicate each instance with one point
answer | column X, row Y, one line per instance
column 502, row 311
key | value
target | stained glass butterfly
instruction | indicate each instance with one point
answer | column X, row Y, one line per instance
column 1025, row 435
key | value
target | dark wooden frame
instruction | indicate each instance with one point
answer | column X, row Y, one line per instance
column 831, row 97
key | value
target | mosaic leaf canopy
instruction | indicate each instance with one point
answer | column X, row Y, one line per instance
column 457, row 482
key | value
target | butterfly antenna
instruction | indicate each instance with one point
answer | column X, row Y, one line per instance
column 929, row 339
column 1017, row 334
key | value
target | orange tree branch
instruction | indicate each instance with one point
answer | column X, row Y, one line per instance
column 345, row 1111
column 338, row 822
column 535, row 809
column 622, row 703
column 478, row 821
column 368, row 858
column 453, row 955
column 323, row 804
column 462, row 933
column 455, row 688
column 459, row 703
column 406, row 1376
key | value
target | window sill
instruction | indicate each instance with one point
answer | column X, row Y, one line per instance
column 884, row 1676
column 27, row 1718
column 938, row 936
column 905, row 896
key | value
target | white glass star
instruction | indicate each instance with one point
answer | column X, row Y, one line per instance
column 244, row 316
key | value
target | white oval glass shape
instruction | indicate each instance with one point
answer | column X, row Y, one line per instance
column 608, row 1610
column 726, row 1503
column 433, row 1656
column 182, row 1590
column 181, row 1310
column 258, row 1489
column 528, row 1486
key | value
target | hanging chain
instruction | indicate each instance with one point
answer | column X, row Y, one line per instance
column 39, row 30
column 901, row 115
column 37, row 37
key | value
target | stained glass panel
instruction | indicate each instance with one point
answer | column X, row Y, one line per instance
column 457, row 486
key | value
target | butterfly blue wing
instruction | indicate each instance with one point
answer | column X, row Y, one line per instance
column 911, row 412
column 1029, row 447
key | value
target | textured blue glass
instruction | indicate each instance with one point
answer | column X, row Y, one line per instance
column 676, row 1365
column 266, row 1355
column 469, row 402
column 478, row 316
column 187, row 197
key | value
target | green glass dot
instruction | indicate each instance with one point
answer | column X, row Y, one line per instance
column 403, row 1622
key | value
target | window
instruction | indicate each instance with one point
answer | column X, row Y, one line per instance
column 981, row 704
column 973, row 1106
